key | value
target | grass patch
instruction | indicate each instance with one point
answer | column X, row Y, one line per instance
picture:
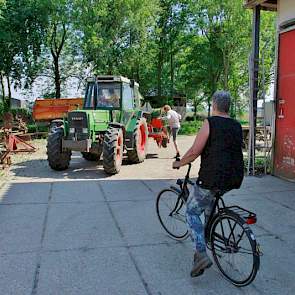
column 259, row 165
column 244, row 122
column 190, row 128
column 32, row 128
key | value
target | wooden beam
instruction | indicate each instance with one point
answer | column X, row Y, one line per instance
column 270, row 6
column 263, row 3
column 253, row 3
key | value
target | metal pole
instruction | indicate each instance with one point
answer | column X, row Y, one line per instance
column 255, row 83
column 265, row 142
column 250, row 142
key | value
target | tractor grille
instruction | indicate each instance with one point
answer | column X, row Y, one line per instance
column 78, row 122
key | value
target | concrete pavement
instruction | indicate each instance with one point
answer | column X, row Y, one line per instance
column 102, row 236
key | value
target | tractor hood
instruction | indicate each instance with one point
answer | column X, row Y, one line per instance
column 97, row 120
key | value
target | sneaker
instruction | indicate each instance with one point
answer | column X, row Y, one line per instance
column 177, row 156
column 201, row 262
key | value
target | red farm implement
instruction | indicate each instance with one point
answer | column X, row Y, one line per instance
column 13, row 144
column 13, row 141
column 158, row 132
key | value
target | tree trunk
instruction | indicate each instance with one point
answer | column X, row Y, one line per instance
column 209, row 106
column 159, row 74
column 8, row 100
column 171, row 74
column 195, row 109
column 2, row 87
column 56, row 50
column 56, row 76
column 225, row 71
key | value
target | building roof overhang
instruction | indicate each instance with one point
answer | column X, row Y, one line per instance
column 265, row 4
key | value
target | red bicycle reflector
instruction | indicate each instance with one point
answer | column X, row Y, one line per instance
column 251, row 220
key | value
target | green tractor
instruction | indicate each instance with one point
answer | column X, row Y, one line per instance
column 110, row 123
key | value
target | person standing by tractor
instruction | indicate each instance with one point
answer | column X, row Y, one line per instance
column 174, row 124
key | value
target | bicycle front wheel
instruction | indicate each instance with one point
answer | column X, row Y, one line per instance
column 171, row 213
column 234, row 249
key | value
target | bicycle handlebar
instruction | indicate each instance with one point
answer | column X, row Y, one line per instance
column 189, row 168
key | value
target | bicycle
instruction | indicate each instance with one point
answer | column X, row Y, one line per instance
column 227, row 231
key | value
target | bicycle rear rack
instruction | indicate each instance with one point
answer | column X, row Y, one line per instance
column 248, row 216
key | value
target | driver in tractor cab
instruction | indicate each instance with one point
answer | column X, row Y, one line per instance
column 219, row 143
column 108, row 98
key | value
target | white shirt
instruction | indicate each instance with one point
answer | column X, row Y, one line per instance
column 173, row 119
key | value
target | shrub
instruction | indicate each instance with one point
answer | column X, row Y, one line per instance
column 190, row 128
column 32, row 128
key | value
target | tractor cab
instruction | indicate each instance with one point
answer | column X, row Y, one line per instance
column 111, row 93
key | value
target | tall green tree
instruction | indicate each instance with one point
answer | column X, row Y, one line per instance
column 22, row 29
column 61, row 55
column 116, row 36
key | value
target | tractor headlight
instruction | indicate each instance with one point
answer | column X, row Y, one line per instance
column 72, row 130
column 85, row 130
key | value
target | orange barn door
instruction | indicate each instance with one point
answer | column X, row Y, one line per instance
column 284, row 155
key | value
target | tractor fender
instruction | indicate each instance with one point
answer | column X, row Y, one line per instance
column 57, row 123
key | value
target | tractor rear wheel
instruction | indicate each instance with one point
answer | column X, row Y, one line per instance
column 57, row 158
column 91, row 156
column 113, row 150
column 140, row 136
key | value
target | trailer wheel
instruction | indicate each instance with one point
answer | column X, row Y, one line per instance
column 57, row 158
column 113, row 150
column 138, row 153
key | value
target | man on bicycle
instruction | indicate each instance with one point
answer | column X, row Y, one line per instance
column 219, row 142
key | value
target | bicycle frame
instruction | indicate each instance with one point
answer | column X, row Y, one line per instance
column 218, row 207
column 227, row 230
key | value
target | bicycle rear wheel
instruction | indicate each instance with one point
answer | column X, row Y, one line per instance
column 171, row 213
column 234, row 249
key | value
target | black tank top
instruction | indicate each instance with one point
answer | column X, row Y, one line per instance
column 222, row 166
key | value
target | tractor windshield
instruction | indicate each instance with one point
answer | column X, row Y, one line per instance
column 108, row 95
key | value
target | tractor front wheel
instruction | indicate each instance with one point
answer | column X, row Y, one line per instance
column 138, row 153
column 113, row 150
column 57, row 158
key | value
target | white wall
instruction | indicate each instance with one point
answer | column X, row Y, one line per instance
column 286, row 10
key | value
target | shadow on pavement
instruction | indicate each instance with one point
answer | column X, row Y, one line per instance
column 90, row 232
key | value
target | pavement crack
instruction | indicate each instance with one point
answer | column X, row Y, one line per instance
column 145, row 284
column 269, row 233
column 110, row 210
column 147, row 186
column 23, row 203
column 143, row 281
column 282, row 205
column 39, row 255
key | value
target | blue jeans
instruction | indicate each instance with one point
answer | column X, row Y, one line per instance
column 199, row 201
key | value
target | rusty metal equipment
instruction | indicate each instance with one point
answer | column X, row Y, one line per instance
column 158, row 132
column 13, row 143
column 11, row 140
